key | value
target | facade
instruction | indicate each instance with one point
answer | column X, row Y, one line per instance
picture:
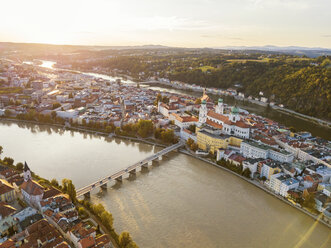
column 281, row 183
column 32, row 191
column 211, row 142
column 7, row 191
column 230, row 124
column 253, row 149
column 269, row 168
column 183, row 121
column 251, row 164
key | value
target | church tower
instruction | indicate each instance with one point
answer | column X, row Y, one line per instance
column 26, row 172
column 234, row 115
column 220, row 107
column 203, row 113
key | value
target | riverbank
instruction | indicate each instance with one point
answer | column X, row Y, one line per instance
column 181, row 151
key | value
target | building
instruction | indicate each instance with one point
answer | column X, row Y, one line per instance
column 281, row 183
column 230, row 124
column 7, row 191
column 211, row 142
column 251, row 164
column 184, row 120
column 269, row 168
column 32, row 191
column 253, row 149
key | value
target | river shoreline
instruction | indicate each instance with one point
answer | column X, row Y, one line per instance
column 182, row 151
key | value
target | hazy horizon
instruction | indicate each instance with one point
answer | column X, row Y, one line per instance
column 193, row 24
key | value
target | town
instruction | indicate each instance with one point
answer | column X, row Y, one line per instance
column 295, row 166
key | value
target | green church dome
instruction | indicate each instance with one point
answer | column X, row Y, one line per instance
column 220, row 100
column 234, row 110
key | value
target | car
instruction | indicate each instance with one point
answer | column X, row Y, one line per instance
column 100, row 182
column 109, row 178
column 93, row 185
column 126, row 170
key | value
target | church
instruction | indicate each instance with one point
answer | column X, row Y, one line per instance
column 231, row 124
column 32, row 191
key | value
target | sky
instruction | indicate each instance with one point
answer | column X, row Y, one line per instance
column 180, row 23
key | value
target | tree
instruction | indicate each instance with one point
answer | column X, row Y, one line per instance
column 1, row 150
column 19, row 166
column 145, row 128
column 53, row 114
column 168, row 136
column 192, row 128
column 7, row 113
column 198, row 101
column 98, row 209
column 8, row 161
column 246, row 172
column 54, row 182
column 125, row 241
column 56, row 105
column 107, row 219
column 309, row 201
column 69, row 188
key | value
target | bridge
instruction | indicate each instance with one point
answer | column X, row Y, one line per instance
column 118, row 176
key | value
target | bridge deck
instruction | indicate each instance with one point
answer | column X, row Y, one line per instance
column 120, row 173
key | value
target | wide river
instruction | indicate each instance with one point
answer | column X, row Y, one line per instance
column 180, row 202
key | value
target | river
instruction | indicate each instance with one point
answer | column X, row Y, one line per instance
column 180, row 202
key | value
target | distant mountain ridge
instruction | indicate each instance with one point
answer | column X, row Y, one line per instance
column 294, row 50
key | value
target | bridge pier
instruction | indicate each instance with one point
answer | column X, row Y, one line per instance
column 160, row 158
column 119, row 179
column 103, row 186
column 87, row 195
column 133, row 172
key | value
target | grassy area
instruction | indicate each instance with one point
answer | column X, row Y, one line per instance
column 206, row 67
column 264, row 60
column 297, row 59
column 10, row 90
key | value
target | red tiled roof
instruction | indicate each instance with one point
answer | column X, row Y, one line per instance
column 6, row 209
column 32, row 187
column 220, row 117
column 87, row 242
column 213, row 124
column 5, row 187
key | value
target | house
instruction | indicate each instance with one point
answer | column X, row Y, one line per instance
column 81, row 231
column 251, row 164
column 269, row 167
column 32, row 191
column 281, row 183
column 322, row 201
column 6, row 218
column 7, row 191
column 42, row 234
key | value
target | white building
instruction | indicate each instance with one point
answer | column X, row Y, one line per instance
column 281, row 183
column 230, row 124
column 253, row 149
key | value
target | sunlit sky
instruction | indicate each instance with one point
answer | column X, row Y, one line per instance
column 183, row 23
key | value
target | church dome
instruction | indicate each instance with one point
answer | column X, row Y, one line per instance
column 203, row 102
column 234, row 110
column 220, row 100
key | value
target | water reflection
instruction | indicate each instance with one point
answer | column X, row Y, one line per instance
column 183, row 202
